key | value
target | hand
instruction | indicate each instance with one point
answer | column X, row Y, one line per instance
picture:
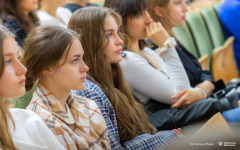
column 178, row 132
column 157, row 34
column 187, row 98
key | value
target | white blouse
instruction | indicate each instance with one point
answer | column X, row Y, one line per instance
column 31, row 133
column 47, row 19
column 152, row 83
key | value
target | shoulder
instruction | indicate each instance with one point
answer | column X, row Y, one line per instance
column 64, row 13
column 229, row 9
column 83, row 101
column 130, row 56
column 149, row 51
column 11, row 24
column 25, row 116
column 42, row 15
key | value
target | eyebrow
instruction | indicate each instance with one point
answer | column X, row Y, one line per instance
column 109, row 30
column 8, row 54
column 76, row 55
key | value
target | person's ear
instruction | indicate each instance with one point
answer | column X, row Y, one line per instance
column 159, row 11
column 46, row 72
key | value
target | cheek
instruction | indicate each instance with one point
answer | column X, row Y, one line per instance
column 7, row 84
column 109, row 49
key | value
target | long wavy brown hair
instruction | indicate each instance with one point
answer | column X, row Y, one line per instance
column 6, row 141
column 9, row 9
column 131, row 118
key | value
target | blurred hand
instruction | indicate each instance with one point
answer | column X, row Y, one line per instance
column 178, row 132
column 187, row 98
column 157, row 34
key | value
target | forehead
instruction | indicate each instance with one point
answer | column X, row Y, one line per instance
column 9, row 45
column 111, row 23
column 76, row 48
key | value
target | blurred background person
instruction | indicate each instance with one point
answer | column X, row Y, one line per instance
column 48, row 14
column 19, row 17
column 229, row 14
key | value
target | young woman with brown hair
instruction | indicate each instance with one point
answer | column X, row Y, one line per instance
column 19, row 16
column 53, row 57
column 172, row 13
column 127, row 123
column 157, row 77
column 19, row 129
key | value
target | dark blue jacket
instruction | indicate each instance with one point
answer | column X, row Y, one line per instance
column 229, row 14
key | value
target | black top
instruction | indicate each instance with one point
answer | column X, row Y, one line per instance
column 74, row 7
column 19, row 32
column 192, row 67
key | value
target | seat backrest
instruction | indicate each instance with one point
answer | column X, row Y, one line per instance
column 199, row 33
column 182, row 34
column 24, row 101
column 204, row 62
column 216, row 6
column 230, row 60
column 213, row 25
column 217, row 64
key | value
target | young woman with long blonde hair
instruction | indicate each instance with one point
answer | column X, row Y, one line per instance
column 19, row 128
column 127, row 123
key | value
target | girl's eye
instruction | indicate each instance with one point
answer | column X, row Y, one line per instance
column 177, row 2
column 8, row 62
column 75, row 61
column 139, row 15
column 110, row 34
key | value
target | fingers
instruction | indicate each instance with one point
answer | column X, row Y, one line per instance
column 179, row 103
column 148, row 31
column 179, row 94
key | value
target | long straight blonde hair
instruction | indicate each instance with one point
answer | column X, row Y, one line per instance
column 6, row 141
column 131, row 118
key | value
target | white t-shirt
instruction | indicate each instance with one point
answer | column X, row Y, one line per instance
column 31, row 133
column 64, row 13
column 151, row 83
column 47, row 19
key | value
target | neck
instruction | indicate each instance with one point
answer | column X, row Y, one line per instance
column 78, row 2
column 49, row 8
column 25, row 12
column 134, row 46
column 168, row 29
column 60, row 93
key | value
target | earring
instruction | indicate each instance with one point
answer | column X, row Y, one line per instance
column 49, row 74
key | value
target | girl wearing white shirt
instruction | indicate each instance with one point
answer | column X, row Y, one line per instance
column 51, row 13
column 156, row 77
column 19, row 129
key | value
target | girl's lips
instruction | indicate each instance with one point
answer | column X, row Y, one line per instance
column 119, row 51
column 84, row 78
column 22, row 82
column 184, row 17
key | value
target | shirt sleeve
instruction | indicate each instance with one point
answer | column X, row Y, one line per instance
column 152, row 82
column 159, row 141
column 46, row 134
column 206, row 76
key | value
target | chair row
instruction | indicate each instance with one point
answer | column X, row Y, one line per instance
column 203, row 36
